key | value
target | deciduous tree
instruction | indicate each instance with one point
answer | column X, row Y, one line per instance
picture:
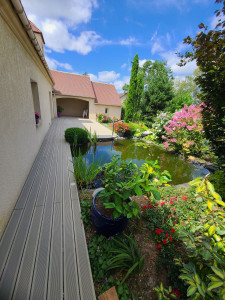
column 208, row 49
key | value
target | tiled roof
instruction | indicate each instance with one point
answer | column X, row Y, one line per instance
column 122, row 94
column 106, row 94
column 72, row 84
column 81, row 86
column 36, row 30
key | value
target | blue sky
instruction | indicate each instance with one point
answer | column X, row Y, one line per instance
column 101, row 37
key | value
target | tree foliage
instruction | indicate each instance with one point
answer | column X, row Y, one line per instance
column 208, row 49
column 179, row 101
column 132, row 92
column 188, row 85
column 158, row 82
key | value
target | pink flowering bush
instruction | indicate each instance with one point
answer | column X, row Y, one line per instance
column 103, row 118
column 184, row 132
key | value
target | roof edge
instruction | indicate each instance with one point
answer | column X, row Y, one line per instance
column 26, row 24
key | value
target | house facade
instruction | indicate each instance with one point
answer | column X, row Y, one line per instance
column 78, row 95
column 26, row 87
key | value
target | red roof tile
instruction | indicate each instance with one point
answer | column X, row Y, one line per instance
column 36, row 30
column 72, row 84
column 106, row 94
column 81, row 86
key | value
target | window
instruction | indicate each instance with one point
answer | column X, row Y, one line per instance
column 106, row 110
column 35, row 95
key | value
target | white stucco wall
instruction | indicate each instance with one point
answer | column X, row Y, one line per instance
column 20, row 139
column 113, row 111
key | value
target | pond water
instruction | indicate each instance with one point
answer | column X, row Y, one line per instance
column 180, row 170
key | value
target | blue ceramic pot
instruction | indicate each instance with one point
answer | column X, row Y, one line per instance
column 105, row 225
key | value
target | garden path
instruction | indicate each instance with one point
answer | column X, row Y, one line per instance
column 43, row 251
column 101, row 131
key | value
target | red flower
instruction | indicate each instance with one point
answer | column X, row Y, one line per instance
column 144, row 208
column 162, row 203
column 171, row 202
column 164, row 242
column 172, row 230
column 158, row 231
column 150, row 206
column 159, row 246
column 184, row 198
column 173, row 198
column 167, row 235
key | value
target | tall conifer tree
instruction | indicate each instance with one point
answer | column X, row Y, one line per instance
column 132, row 92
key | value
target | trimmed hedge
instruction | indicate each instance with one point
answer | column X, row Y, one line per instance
column 76, row 134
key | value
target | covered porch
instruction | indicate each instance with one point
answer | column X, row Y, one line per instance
column 73, row 107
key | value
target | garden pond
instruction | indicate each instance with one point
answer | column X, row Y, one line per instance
column 138, row 152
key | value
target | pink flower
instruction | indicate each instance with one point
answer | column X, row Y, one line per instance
column 174, row 208
column 162, row 203
column 166, row 144
column 184, row 198
column 171, row 201
column 183, row 223
column 173, row 198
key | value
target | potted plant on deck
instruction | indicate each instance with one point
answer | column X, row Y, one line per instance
column 113, row 206
column 121, row 128
column 37, row 117
column 60, row 109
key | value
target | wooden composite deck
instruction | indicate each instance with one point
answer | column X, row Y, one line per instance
column 43, row 251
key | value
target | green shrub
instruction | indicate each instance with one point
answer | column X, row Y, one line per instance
column 84, row 175
column 218, row 180
column 76, row 135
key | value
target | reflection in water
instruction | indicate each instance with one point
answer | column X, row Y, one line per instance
column 180, row 170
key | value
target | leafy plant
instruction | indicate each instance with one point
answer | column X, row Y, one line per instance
column 218, row 180
column 60, row 109
column 86, row 205
column 103, row 118
column 79, row 135
column 205, row 271
column 164, row 293
column 127, row 256
column 83, row 174
column 123, row 180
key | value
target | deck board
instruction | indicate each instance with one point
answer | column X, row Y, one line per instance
column 43, row 251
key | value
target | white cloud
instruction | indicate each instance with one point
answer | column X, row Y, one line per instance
column 129, row 41
column 74, row 12
column 54, row 64
column 59, row 21
column 108, row 76
column 172, row 61
column 141, row 62
column 154, row 35
column 214, row 21
column 93, row 77
column 123, row 66
column 58, row 38
column 120, row 83
column 157, row 47
column 111, row 77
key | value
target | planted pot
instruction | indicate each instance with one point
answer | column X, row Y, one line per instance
column 58, row 114
column 106, row 225
column 121, row 134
